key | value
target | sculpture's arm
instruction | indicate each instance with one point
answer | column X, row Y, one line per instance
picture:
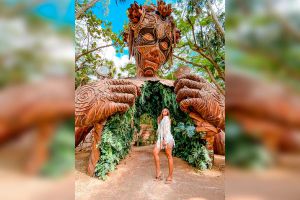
column 97, row 101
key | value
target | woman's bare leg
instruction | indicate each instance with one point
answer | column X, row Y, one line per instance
column 170, row 161
column 156, row 160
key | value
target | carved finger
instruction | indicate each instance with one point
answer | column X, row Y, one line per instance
column 185, row 93
column 119, row 82
column 195, row 78
column 188, row 83
column 188, row 104
column 78, row 119
column 208, row 110
column 212, row 112
column 190, row 77
column 101, row 111
column 95, row 153
column 130, row 89
column 122, row 98
column 138, row 90
column 119, row 107
column 201, row 106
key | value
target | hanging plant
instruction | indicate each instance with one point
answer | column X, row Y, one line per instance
column 115, row 143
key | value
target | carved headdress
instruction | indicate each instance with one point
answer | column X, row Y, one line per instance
column 151, row 36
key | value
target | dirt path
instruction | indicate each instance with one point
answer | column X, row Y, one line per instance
column 134, row 180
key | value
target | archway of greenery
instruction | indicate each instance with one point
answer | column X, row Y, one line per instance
column 118, row 132
column 146, row 127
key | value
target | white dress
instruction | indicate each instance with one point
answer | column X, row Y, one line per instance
column 164, row 132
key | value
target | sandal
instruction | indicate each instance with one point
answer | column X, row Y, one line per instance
column 168, row 181
column 159, row 177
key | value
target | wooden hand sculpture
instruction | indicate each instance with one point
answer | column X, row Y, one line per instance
column 204, row 104
column 94, row 103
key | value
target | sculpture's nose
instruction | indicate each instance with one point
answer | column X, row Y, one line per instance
column 155, row 56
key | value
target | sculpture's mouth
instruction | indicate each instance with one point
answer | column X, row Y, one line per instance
column 150, row 67
column 148, row 71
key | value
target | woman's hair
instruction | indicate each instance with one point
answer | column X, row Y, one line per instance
column 160, row 117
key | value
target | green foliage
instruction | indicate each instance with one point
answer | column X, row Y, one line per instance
column 130, row 69
column 190, row 146
column 146, row 119
column 201, row 43
column 115, row 142
column 189, row 130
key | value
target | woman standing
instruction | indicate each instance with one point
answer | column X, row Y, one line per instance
column 165, row 141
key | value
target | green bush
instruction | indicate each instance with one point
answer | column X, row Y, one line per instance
column 115, row 143
column 146, row 119
column 190, row 146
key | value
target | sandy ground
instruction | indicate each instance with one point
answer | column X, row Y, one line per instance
column 134, row 180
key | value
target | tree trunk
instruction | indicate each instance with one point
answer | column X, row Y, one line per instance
column 215, row 19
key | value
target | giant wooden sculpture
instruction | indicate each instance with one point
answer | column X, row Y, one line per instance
column 151, row 37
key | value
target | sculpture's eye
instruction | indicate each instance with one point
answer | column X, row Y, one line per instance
column 148, row 37
column 164, row 45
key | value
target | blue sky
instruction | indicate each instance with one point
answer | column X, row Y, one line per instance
column 62, row 14
column 117, row 13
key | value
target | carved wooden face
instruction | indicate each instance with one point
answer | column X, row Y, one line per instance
column 153, row 46
column 152, row 43
column 151, row 40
